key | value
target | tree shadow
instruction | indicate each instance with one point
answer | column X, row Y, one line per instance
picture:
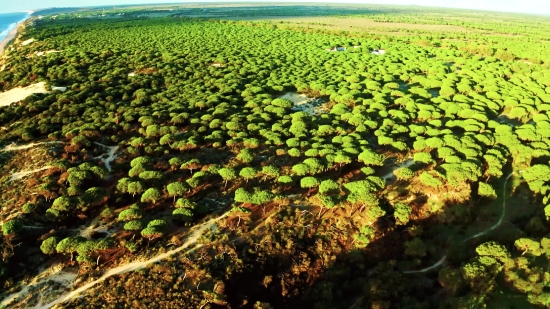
column 387, row 273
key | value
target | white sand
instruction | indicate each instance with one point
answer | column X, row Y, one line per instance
column 27, row 42
column 62, row 89
column 305, row 104
column 132, row 74
column 111, row 155
column 18, row 94
column 12, row 147
column 54, row 273
column 43, row 53
column 20, row 175
column 96, row 226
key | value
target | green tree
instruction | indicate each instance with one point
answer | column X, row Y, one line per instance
column 364, row 237
column 151, row 195
column 301, row 169
column 486, row 190
column 135, row 187
column 69, row 245
column 151, row 232
column 294, row 152
column 143, row 161
column 341, row 159
column 245, row 156
column 403, row 173
column 176, row 189
column 430, row 180
column 530, row 246
column 328, row 185
column 11, row 227
column 415, row 248
column 270, row 171
column 133, row 225
column 242, row 196
column 493, row 249
column 48, row 245
column 175, row 162
column 227, row 174
column 150, row 175
column 185, row 203
column 309, row 182
column 402, row 213
column 28, row 208
column 248, row 173
column 423, row 157
column 261, row 197
column 369, row 157
column 183, row 214
column 285, row 179
column 191, row 165
column 131, row 213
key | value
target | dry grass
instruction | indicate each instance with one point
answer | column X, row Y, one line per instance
column 354, row 23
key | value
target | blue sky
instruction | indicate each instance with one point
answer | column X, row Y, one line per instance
column 523, row 6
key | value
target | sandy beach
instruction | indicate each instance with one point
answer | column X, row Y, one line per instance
column 12, row 34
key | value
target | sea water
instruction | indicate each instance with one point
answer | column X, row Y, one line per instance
column 9, row 21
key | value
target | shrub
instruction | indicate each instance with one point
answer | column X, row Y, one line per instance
column 11, row 227
column 48, row 245
column 134, row 225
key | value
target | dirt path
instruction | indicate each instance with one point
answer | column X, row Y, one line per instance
column 128, row 267
column 12, row 147
column 54, row 273
column 499, row 222
column 20, row 175
column 111, row 155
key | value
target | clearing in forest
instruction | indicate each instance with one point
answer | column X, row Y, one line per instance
column 312, row 106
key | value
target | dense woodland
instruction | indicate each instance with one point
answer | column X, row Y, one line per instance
column 313, row 220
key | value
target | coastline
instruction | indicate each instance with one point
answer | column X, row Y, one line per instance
column 12, row 34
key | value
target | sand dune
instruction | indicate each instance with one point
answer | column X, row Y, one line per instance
column 17, row 94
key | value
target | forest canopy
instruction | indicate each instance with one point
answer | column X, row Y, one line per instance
column 289, row 156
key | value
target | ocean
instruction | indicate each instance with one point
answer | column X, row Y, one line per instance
column 9, row 21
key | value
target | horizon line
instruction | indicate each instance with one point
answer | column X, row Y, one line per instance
column 278, row 3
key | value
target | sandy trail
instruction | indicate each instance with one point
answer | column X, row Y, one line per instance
column 54, row 273
column 131, row 266
column 499, row 222
column 44, row 53
column 12, row 147
column 20, row 175
column 111, row 155
column 96, row 226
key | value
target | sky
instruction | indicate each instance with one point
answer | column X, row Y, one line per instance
column 519, row 6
